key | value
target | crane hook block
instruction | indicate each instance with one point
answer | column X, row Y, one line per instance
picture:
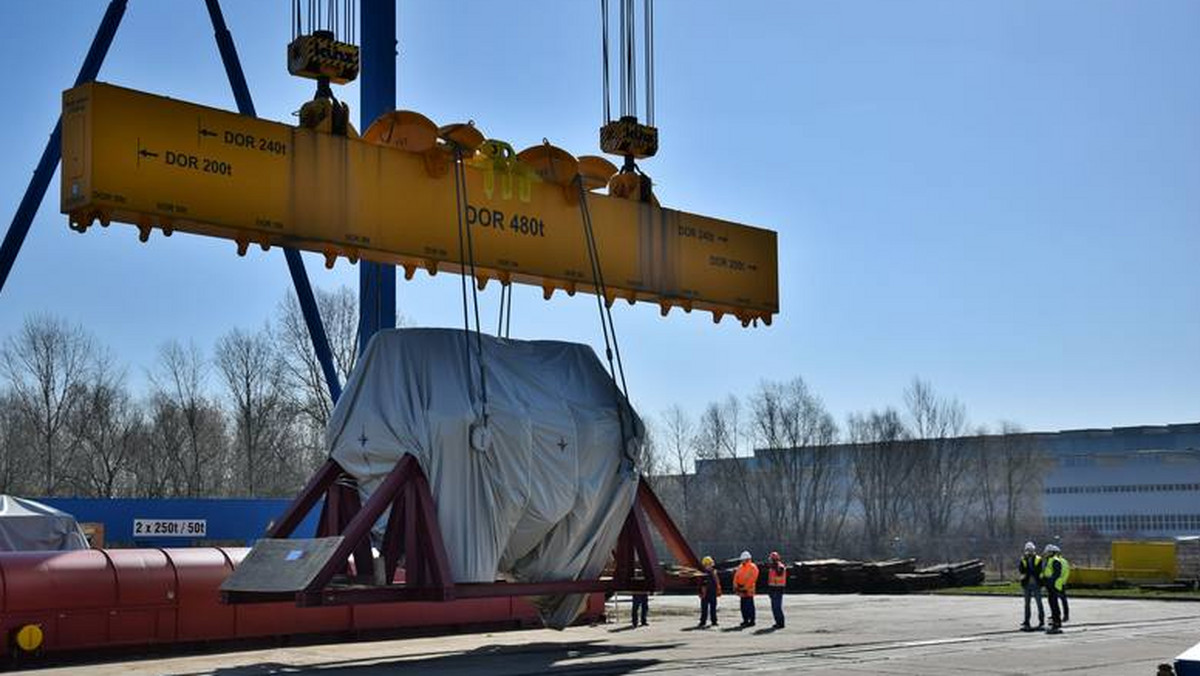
column 319, row 56
column 629, row 138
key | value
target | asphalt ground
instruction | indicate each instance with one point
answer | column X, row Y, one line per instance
column 847, row 634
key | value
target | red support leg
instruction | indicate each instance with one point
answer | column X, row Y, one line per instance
column 672, row 537
column 414, row 572
column 393, row 539
column 437, row 562
column 303, row 504
column 643, row 545
column 358, row 530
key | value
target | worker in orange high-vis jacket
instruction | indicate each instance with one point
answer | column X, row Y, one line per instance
column 744, row 582
column 776, row 584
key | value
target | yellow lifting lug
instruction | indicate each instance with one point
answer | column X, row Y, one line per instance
column 464, row 135
column 404, row 130
column 460, row 137
column 629, row 138
column 319, row 55
column 553, row 165
column 497, row 158
column 595, row 172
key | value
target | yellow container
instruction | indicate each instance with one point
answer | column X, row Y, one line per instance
column 1091, row 577
column 1144, row 560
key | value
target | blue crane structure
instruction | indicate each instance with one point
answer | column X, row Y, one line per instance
column 377, row 281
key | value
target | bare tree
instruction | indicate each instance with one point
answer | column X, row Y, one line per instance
column 186, row 426
column 254, row 381
column 799, row 465
column 46, row 363
column 678, row 429
column 339, row 313
column 19, row 466
column 882, row 473
column 742, row 503
column 1023, row 466
column 937, row 426
column 106, row 425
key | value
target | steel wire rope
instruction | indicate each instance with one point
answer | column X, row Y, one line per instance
column 604, row 58
column 460, row 189
column 621, row 390
column 631, row 57
column 648, row 40
column 504, row 324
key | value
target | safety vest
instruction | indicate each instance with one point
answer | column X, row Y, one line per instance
column 745, row 579
column 777, row 575
column 1064, row 571
column 1033, row 573
column 1022, row 564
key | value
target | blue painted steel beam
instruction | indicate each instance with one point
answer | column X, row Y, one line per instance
column 377, row 82
column 304, row 292
column 35, row 192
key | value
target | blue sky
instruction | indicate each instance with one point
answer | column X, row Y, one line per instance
column 1000, row 197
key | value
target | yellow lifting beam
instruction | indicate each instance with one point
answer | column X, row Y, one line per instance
column 389, row 197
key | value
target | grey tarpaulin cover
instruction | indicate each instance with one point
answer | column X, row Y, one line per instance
column 548, row 498
column 28, row 526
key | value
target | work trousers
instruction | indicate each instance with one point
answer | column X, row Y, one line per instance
column 708, row 609
column 1055, row 612
column 1066, row 609
column 641, row 602
column 747, row 609
column 776, row 595
column 1034, row 590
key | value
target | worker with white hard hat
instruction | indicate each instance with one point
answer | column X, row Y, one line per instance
column 1055, row 571
column 744, row 582
column 1030, row 568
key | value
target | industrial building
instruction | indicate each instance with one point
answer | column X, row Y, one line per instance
column 1132, row 482
column 1124, row 481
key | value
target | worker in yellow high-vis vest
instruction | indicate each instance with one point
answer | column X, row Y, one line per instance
column 1055, row 571
column 1030, row 568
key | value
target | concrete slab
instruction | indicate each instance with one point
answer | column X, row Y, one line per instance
column 909, row 635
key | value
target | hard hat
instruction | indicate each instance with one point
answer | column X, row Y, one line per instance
column 706, row 561
column 1030, row 547
column 774, row 556
column 745, row 556
column 1052, row 549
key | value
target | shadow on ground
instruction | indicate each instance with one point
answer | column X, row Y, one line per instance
column 590, row 657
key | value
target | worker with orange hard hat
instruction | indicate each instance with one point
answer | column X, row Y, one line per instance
column 776, row 584
column 744, row 582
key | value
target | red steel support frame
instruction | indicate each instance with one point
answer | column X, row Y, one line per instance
column 412, row 536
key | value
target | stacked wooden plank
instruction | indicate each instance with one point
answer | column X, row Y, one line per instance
column 846, row 576
column 961, row 574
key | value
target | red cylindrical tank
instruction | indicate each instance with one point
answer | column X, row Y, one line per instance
column 146, row 593
column 68, row 594
column 126, row 597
